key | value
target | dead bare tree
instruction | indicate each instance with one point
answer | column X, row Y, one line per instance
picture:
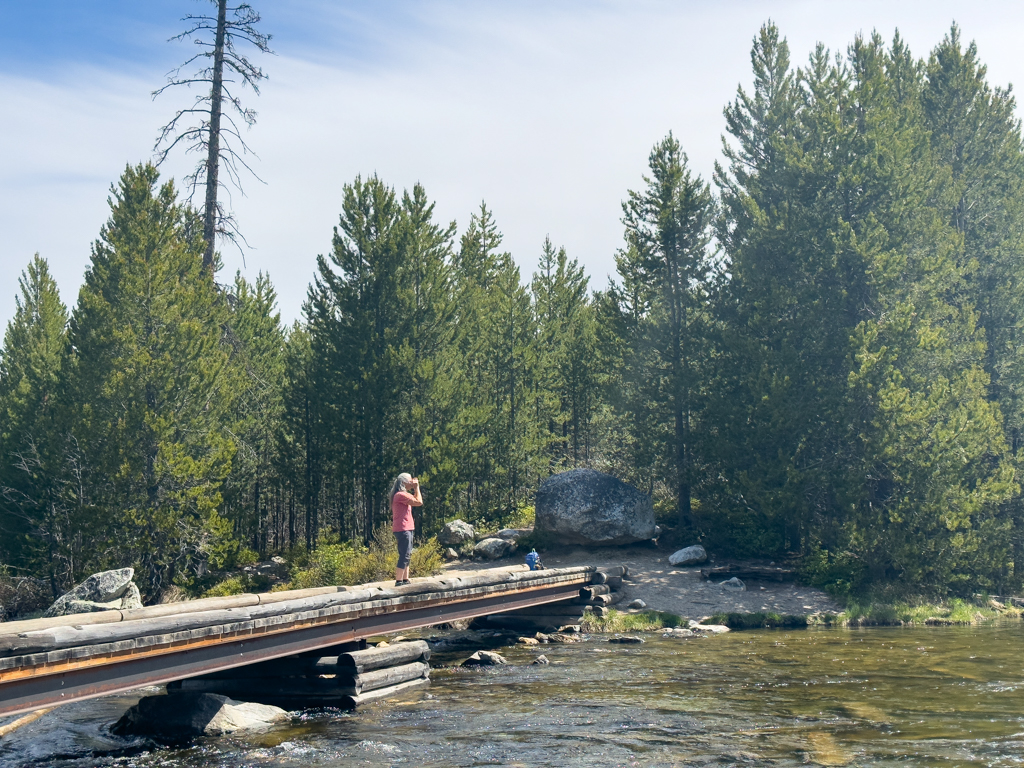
column 216, row 135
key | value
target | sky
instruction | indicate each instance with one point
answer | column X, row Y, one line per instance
column 545, row 110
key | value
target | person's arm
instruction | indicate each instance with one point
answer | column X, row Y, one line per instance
column 417, row 500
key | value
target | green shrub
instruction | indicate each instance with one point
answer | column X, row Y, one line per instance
column 339, row 564
column 233, row 585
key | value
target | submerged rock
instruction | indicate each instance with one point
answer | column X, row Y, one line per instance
column 100, row 592
column 584, row 506
column 182, row 716
column 456, row 533
column 626, row 640
column 688, row 556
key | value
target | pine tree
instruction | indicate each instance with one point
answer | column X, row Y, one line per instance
column 148, row 386
column 34, row 354
column 669, row 262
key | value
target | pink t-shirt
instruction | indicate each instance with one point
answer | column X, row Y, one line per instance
column 401, row 512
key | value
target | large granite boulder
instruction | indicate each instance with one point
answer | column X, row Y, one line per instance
column 100, row 592
column 181, row 716
column 584, row 506
column 456, row 533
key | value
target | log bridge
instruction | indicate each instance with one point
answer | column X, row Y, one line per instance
column 48, row 662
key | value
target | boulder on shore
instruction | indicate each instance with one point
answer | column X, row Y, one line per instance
column 494, row 548
column 688, row 556
column 183, row 716
column 100, row 592
column 456, row 533
column 584, row 506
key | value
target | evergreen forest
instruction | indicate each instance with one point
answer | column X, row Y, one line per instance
column 811, row 356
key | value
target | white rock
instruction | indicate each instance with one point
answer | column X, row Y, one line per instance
column 186, row 715
column 734, row 584
column 688, row 556
column 484, row 659
column 638, row 603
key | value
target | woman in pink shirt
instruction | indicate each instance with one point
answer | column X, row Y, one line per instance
column 405, row 494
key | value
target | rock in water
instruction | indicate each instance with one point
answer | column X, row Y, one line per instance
column 456, row 533
column 584, row 506
column 484, row 659
column 182, row 716
column 542, row 659
column 688, row 556
column 100, row 592
column 492, row 549
column 626, row 640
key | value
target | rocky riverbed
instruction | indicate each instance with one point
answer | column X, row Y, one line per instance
column 678, row 590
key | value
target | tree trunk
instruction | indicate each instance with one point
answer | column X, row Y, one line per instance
column 213, row 148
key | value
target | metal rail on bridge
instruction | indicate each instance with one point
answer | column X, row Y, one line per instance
column 42, row 666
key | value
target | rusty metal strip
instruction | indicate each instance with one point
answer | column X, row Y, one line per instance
column 27, row 694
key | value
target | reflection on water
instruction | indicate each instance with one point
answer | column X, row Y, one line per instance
column 879, row 697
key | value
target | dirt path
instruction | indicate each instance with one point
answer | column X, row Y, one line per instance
column 681, row 591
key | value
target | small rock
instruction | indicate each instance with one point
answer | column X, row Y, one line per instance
column 484, row 659
column 451, row 554
column 688, row 556
column 540, row 637
column 710, row 629
column 734, row 584
column 993, row 603
column 677, row 632
column 528, row 641
column 186, row 715
column 638, row 604
column 278, row 560
column 626, row 640
column 383, row 644
column 558, row 637
column 542, row 659
column 455, row 533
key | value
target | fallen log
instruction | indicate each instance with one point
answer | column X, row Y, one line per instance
column 614, row 583
column 749, row 572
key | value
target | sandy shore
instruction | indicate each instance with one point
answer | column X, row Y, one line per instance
column 681, row 591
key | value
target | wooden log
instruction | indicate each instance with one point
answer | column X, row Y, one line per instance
column 603, row 574
column 377, row 658
column 751, row 572
column 385, row 678
column 298, row 687
column 383, row 693
column 191, row 606
column 15, row 628
column 594, row 589
column 603, row 600
column 614, row 583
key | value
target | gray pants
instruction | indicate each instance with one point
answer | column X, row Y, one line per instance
column 404, row 539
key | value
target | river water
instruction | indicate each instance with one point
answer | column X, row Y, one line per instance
column 878, row 697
